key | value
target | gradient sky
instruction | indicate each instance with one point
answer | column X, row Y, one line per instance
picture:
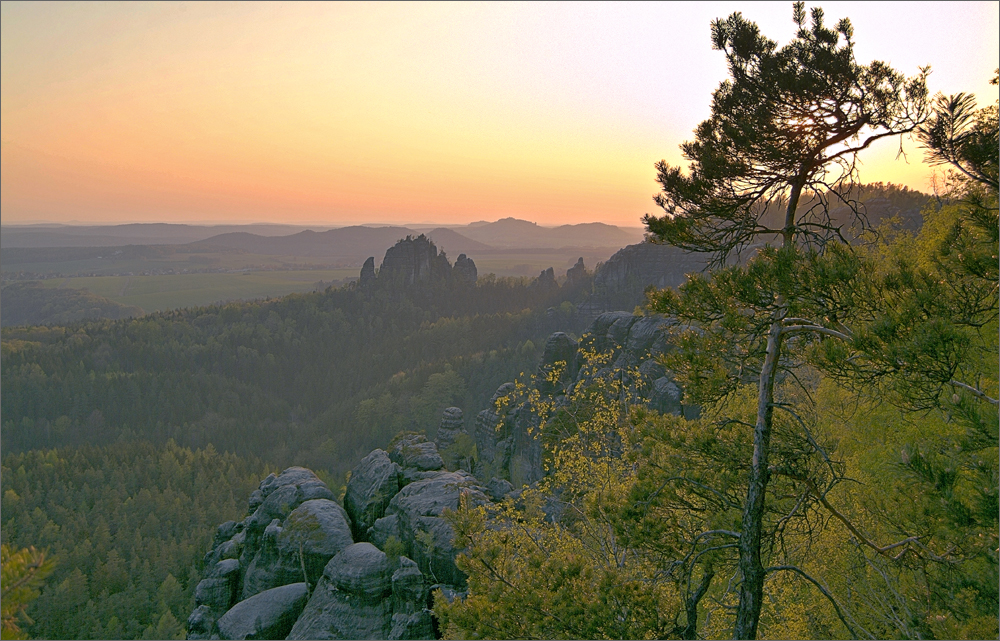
column 398, row 113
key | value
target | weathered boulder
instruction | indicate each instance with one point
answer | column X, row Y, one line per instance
column 464, row 270
column 267, row 569
column 385, row 527
column 411, row 619
column 284, row 493
column 230, row 549
column 220, row 589
column 319, row 529
column 428, row 538
column 414, row 451
column 322, row 529
column 666, row 397
column 498, row 489
column 452, row 426
column 353, row 598
column 417, row 457
column 268, row 615
column 201, row 622
column 372, row 485
column 454, row 443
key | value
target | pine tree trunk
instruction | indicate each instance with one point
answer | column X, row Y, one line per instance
column 751, row 568
column 751, row 533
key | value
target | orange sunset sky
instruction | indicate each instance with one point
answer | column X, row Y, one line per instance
column 346, row 113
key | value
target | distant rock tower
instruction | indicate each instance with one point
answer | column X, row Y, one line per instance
column 464, row 270
column 546, row 279
column 367, row 272
column 576, row 274
column 415, row 260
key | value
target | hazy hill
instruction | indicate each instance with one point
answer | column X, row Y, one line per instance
column 513, row 232
column 349, row 243
column 130, row 234
column 455, row 243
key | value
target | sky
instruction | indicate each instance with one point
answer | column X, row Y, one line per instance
column 347, row 113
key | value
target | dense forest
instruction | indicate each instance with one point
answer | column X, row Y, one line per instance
column 318, row 379
column 838, row 479
column 114, row 431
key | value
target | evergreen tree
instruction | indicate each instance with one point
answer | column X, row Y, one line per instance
column 786, row 129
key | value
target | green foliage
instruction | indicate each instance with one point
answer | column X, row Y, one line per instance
column 460, row 454
column 129, row 523
column 287, row 380
column 554, row 564
column 24, row 571
column 394, row 548
column 788, row 122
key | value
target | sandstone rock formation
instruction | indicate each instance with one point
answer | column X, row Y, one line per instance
column 576, row 274
column 453, row 442
column 464, row 270
column 414, row 260
column 367, row 272
column 304, row 576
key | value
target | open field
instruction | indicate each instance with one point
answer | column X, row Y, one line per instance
column 158, row 278
column 165, row 292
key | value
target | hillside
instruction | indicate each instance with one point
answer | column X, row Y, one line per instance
column 30, row 303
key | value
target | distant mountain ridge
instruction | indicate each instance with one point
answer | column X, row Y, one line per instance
column 344, row 242
column 129, row 234
column 509, row 233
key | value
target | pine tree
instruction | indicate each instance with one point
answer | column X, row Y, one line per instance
column 785, row 134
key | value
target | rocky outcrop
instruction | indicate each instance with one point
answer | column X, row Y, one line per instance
column 619, row 282
column 464, row 270
column 425, row 535
column 367, row 272
column 576, row 274
column 505, row 445
column 299, row 564
column 257, row 580
column 372, row 485
column 453, row 442
column 268, row 615
column 507, row 448
column 416, row 456
column 546, row 279
column 304, row 526
column 414, row 260
column 365, row 594
column 559, row 363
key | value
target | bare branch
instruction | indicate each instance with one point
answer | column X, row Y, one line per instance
column 974, row 391
column 826, row 593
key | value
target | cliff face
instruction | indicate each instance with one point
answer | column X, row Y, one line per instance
column 619, row 283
